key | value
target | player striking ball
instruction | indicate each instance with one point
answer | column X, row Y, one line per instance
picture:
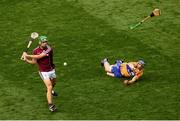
column 43, row 57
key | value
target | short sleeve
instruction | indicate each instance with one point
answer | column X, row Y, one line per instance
column 47, row 51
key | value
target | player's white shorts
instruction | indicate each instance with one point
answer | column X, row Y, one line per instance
column 47, row 75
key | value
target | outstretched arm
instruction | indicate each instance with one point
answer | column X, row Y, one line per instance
column 128, row 82
column 36, row 56
column 134, row 79
column 25, row 55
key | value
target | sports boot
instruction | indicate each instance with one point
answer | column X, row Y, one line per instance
column 52, row 107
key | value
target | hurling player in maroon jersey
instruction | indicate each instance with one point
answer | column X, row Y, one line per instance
column 43, row 57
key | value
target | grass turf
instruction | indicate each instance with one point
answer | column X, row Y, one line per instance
column 82, row 33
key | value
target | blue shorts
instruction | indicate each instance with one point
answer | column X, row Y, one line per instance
column 116, row 70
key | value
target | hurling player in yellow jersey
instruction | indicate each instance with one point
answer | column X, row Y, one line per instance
column 132, row 70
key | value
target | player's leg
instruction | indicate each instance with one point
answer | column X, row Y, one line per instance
column 110, row 74
column 119, row 61
column 52, row 76
column 49, row 87
column 53, row 81
column 47, row 81
column 107, row 66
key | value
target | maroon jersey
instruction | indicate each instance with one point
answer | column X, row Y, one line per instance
column 46, row 63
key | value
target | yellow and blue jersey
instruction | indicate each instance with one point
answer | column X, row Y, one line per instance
column 126, row 71
column 123, row 70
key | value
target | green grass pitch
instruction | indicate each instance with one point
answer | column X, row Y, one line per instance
column 83, row 32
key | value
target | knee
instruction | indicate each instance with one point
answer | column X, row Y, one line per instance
column 108, row 69
column 49, row 87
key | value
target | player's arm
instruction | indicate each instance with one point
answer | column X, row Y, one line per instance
column 43, row 54
column 134, row 79
column 37, row 56
column 27, row 59
column 30, row 61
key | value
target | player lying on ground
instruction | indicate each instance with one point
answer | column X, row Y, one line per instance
column 43, row 56
column 133, row 70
